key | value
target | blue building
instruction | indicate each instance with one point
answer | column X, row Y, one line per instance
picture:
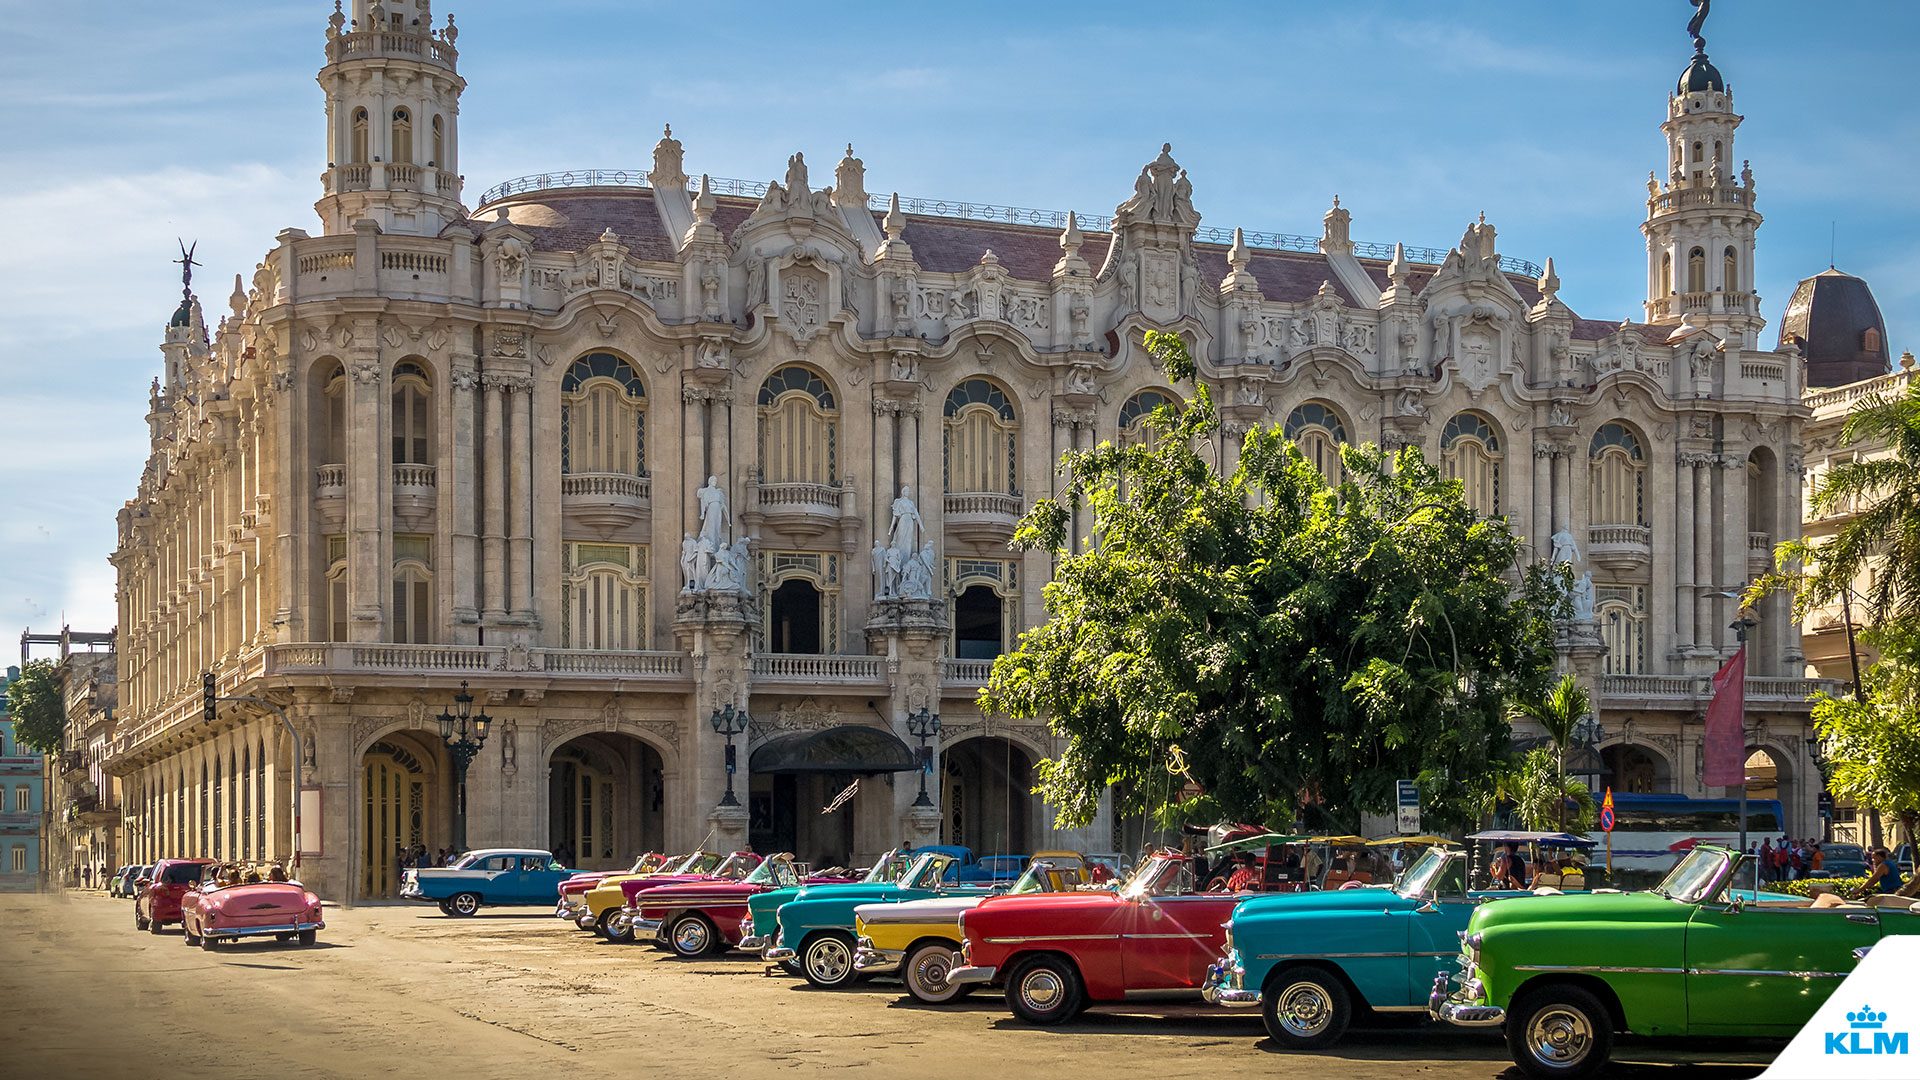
column 22, row 797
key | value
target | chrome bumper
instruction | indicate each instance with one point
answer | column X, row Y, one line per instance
column 644, row 926
column 1441, row 1006
column 972, row 975
column 871, row 961
column 778, row 954
column 258, row 931
column 753, row 943
column 1216, row 989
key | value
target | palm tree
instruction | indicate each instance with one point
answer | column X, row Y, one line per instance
column 1884, row 535
column 1541, row 791
column 1559, row 709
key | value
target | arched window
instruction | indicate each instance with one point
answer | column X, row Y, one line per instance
column 1719, row 153
column 1616, row 477
column 1470, row 453
column 1699, row 151
column 412, row 415
column 1135, row 411
column 603, row 417
column 1317, row 430
column 335, row 450
column 1730, row 270
column 337, row 609
column 982, row 440
column 1666, row 272
column 606, row 596
column 1870, row 340
column 411, row 620
column 357, row 139
column 1622, row 614
column 799, row 429
column 439, row 143
column 402, row 136
column 1696, row 271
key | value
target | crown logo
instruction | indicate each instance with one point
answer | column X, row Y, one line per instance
column 1866, row 1019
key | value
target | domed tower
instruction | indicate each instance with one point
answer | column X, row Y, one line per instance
column 1701, row 220
column 393, row 119
column 1835, row 322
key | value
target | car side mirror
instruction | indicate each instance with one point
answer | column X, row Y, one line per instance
column 1427, row 907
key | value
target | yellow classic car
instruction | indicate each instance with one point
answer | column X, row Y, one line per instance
column 603, row 901
column 920, row 940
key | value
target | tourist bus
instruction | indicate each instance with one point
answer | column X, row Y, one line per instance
column 1651, row 832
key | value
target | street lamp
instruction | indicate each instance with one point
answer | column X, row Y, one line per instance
column 464, row 732
column 729, row 721
column 924, row 725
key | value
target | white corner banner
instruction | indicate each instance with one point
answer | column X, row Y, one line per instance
column 1869, row 1029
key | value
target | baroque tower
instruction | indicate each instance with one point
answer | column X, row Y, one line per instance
column 393, row 119
column 1701, row 221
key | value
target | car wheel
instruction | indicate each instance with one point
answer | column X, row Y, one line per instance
column 1306, row 1008
column 1046, row 990
column 205, row 943
column 154, row 926
column 617, row 927
column 1559, row 1032
column 463, row 904
column 139, row 920
column 826, row 960
column 308, row 937
column 187, row 935
column 925, row 972
column 691, row 936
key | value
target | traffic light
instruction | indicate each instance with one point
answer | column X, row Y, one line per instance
column 208, row 696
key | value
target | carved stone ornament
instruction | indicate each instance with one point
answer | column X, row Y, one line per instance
column 803, row 299
column 367, row 373
column 509, row 341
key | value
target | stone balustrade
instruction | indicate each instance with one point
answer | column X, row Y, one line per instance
column 957, row 672
column 410, row 475
column 822, row 668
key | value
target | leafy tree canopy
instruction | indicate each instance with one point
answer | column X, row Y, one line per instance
column 1289, row 647
column 1873, row 745
column 37, row 707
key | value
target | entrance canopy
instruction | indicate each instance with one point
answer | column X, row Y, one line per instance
column 848, row 748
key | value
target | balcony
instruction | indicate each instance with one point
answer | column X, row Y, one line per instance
column 330, row 495
column 606, row 500
column 1759, row 552
column 981, row 517
column 403, row 177
column 964, row 674
column 73, row 763
column 801, row 510
column 1694, row 691
column 413, row 494
column 352, row 178
column 802, row 672
column 1620, row 547
column 398, row 43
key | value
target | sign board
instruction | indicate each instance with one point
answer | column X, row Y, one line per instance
column 310, row 831
column 1407, row 806
column 1606, row 812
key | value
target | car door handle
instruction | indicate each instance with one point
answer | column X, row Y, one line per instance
column 1863, row 918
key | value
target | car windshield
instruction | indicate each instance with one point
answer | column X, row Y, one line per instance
column 1049, row 875
column 645, row 864
column 184, row 873
column 889, row 868
column 1162, row 875
column 777, row 870
column 1845, row 851
column 700, row 862
column 926, row 871
column 1694, row 877
column 1420, row 879
column 738, row 865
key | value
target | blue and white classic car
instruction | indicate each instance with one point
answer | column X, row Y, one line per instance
column 496, row 877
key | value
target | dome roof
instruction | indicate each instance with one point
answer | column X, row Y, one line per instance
column 1700, row 76
column 182, row 315
column 1834, row 320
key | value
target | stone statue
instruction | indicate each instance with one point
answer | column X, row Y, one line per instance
column 905, row 533
column 1583, row 598
column 1558, row 416
column 797, row 174
column 882, row 579
column 690, row 564
column 713, row 514
column 1410, row 403
column 1698, row 23
column 1080, row 379
column 916, row 575
column 1564, row 548
column 729, row 572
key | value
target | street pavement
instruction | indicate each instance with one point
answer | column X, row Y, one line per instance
column 406, row 991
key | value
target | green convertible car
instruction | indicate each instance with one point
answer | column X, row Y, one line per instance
column 1563, row 974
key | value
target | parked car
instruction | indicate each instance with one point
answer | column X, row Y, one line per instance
column 1055, row 954
column 121, row 884
column 572, row 904
column 763, row 908
column 1842, row 861
column 607, row 902
column 815, row 928
column 285, row 910
column 696, row 918
column 1562, row 975
column 156, row 900
column 919, row 940
column 497, row 877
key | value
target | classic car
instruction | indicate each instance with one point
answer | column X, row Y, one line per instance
column 284, row 910
column 919, row 940
column 607, row 901
column 572, row 904
column 762, row 909
column 816, row 927
column 1055, row 954
column 696, row 918
column 156, row 899
column 496, row 877
column 1310, row 960
column 121, row 884
column 1562, row 975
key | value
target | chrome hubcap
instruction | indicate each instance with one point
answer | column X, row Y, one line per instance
column 829, row 960
column 1559, row 1036
column 1304, row 1010
column 1041, row 990
column 619, row 925
column 930, row 970
column 690, row 936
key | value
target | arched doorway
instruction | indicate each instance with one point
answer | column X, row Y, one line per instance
column 977, row 629
column 794, row 617
column 1630, row 768
column 987, row 801
column 400, row 806
column 1765, row 777
column 606, row 799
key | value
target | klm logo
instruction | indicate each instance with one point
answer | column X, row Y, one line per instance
column 1866, row 1035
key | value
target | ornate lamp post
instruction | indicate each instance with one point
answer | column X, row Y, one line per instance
column 464, row 732
column 729, row 721
column 924, row 725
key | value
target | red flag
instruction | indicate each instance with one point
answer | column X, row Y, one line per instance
column 1726, row 743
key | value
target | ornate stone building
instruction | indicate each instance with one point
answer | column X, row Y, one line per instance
column 622, row 449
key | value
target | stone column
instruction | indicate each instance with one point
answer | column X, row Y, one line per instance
column 494, row 493
column 693, row 415
column 1703, row 572
column 459, row 499
column 1542, row 516
column 519, row 475
column 1563, row 491
column 366, row 507
column 1683, row 591
column 1732, row 475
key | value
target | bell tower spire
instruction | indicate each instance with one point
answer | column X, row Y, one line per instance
column 393, row 118
column 1701, row 218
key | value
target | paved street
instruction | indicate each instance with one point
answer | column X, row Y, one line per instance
column 517, row 995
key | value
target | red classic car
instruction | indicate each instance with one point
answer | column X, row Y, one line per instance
column 157, row 901
column 697, row 918
column 1055, row 953
column 610, row 902
column 573, row 891
column 285, row 910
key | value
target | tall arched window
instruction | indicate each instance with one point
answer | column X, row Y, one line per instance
column 1470, row 453
column 411, row 620
column 1617, row 477
column 439, row 160
column 982, row 440
column 1135, row 411
column 337, row 609
column 603, row 417
column 606, row 596
column 334, row 452
column 357, row 138
column 1666, row 272
column 1730, row 270
column 1699, row 151
column 1623, row 626
column 799, row 429
column 1696, row 271
column 412, row 415
column 402, row 136
column 1317, row 430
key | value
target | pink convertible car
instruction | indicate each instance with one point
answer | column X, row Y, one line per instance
column 283, row 909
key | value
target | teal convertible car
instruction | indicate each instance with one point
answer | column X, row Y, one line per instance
column 491, row 877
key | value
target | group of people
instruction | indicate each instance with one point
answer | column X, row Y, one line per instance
column 1789, row 860
column 1509, row 869
column 220, row 875
column 418, row 857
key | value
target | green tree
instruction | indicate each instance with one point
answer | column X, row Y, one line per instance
column 1559, row 709
column 1872, row 742
column 1541, row 792
column 1290, row 647
column 37, row 706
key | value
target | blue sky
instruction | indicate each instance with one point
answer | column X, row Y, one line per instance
column 125, row 124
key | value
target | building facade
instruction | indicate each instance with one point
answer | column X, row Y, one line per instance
column 82, row 833
column 21, row 803
column 631, row 454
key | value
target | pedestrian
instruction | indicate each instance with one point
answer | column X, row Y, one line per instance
column 86, row 875
column 1816, row 858
column 420, row 858
column 1766, row 859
